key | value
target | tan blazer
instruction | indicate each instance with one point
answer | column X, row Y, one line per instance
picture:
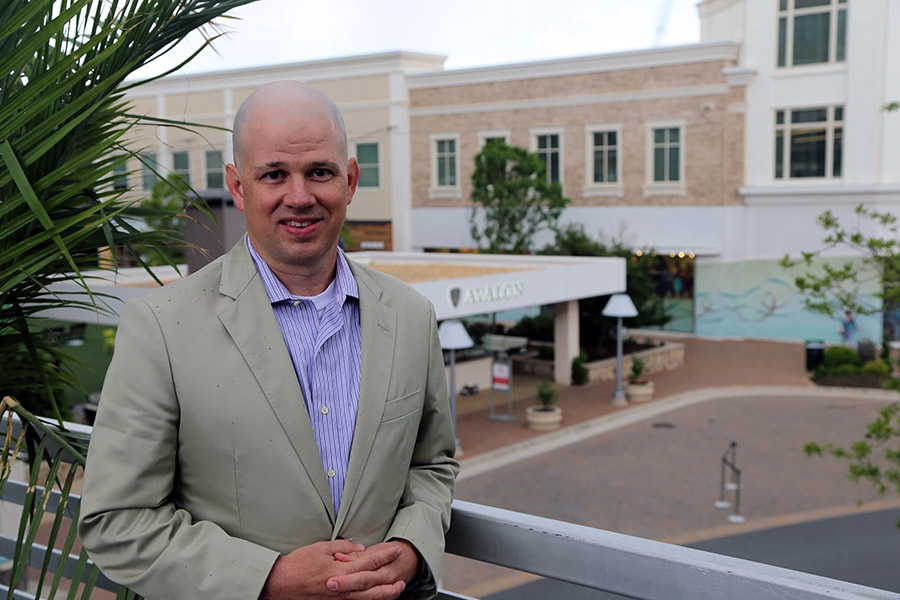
column 203, row 466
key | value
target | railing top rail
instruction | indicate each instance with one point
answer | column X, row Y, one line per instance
column 628, row 565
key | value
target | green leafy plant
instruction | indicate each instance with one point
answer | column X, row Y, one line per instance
column 579, row 370
column 878, row 368
column 64, row 66
column 638, row 368
column 836, row 356
column 547, row 396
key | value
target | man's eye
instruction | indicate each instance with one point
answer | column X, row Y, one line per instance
column 273, row 175
column 320, row 173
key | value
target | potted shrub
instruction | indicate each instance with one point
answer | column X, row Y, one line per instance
column 638, row 388
column 545, row 415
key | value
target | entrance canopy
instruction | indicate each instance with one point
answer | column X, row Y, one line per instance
column 458, row 285
column 462, row 285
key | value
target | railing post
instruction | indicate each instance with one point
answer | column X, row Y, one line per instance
column 729, row 466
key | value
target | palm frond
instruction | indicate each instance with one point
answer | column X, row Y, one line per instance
column 64, row 120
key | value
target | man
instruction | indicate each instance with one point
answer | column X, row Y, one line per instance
column 277, row 424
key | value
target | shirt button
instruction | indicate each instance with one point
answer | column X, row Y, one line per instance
column 324, row 410
column 330, row 473
column 296, row 302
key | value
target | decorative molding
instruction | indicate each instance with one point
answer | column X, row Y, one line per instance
column 564, row 101
column 597, row 63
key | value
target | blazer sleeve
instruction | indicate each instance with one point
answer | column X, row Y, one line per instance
column 424, row 514
column 129, row 524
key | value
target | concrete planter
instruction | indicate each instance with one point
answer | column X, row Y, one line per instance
column 639, row 392
column 541, row 419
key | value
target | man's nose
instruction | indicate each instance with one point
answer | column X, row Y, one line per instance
column 299, row 193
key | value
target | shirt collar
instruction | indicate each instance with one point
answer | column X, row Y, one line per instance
column 345, row 283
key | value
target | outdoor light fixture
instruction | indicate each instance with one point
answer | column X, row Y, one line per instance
column 454, row 337
column 619, row 306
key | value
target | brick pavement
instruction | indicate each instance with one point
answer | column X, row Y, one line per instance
column 655, row 474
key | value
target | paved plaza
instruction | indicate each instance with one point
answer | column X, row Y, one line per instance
column 653, row 470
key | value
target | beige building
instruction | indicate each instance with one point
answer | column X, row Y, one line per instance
column 661, row 127
column 371, row 93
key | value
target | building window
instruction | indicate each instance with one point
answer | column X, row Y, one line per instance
column 181, row 164
column 149, row 167
column 120, row 177
column 444, row 165
column 603, row 172
column 811, row 32
column 667, row 154
column 665, row 158
column 547, row 146
column 809, row 142
column 215, row 171
column 367, row 157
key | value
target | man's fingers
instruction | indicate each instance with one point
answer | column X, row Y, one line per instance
column 363, row 589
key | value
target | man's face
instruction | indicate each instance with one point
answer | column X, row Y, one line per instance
column 293, row 183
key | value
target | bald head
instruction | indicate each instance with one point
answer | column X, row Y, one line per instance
column 286, row 100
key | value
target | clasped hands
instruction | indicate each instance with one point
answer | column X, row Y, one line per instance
column 342, row 569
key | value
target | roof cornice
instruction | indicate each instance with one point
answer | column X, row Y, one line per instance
column 317, row 70
column 596, row 63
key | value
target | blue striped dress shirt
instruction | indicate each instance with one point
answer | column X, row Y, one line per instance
column 322, row 335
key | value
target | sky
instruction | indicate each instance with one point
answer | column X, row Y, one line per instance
column 470, row 33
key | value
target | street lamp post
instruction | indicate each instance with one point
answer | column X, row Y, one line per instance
column 619, row 306
column 453, row 336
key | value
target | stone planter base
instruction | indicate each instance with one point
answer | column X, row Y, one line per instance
column 543, row 420
column 639, row 392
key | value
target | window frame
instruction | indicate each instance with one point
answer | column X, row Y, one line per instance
column 668, row 187
column 185, row 174
column 120, row 177
column 149, row 177
column 484, row 136
column 594, row 188
column 538, row 132
column 832, row 125
column 377, row 165
column 787, row 15
column 447, row 190
column 208, row 171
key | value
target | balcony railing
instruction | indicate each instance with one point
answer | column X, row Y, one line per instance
column 601, row 560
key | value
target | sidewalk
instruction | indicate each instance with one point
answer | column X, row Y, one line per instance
column 706, row 364
column 652, row 469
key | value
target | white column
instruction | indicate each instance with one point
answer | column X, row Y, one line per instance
column 566, row 340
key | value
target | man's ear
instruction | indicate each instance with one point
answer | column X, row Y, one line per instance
column 233, row 182
column 352, row 179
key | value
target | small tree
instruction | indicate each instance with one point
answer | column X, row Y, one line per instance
column 510, row 185
column 836, row 288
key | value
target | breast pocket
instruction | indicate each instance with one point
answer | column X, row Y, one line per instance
column 402, row 407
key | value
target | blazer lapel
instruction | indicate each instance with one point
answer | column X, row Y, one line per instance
column 252, row 325
column 378, row 326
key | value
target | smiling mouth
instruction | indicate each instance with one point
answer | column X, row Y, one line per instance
column 298, row 224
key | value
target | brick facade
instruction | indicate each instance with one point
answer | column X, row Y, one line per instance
column 696, row 94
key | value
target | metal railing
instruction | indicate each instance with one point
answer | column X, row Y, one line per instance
column 620, row 564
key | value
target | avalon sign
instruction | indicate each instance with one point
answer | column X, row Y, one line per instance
column 485, row 294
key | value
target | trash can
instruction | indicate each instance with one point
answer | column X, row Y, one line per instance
column 815, row 354
column 866, row 348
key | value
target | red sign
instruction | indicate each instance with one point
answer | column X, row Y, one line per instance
column 500, row 379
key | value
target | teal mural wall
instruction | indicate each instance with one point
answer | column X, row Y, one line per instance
column 758, row 299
